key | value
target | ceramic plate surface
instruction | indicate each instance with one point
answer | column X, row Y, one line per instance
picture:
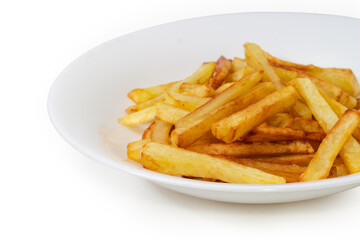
column 90, row 94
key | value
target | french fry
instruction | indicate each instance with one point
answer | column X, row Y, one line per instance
column 298, row 159
column 320, row 165
column 161, row 132
column 327, row 118
column 196, row 90
column 185, row 136
column 272, row 167
column 287, row 74
column 202, row 74
column 189, row 103
column 268, row 133
column 140, row 95
column 169, row 114
column 134, row 149
column 243, row 149
column 147, row 131
column 142, row 116
column 340, row 77
column 223, row 67
column 256, row 58
column 144, row 105
column 176, row 161
column 239, row 89
column 238, row 124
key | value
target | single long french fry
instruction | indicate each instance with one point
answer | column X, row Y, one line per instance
column 327, row 118
column 243, row 149
column 142, row 116
column 239, row 89
column 341, row 77
column 287, row 74
column 187, row 135
column 238, row 124
column 299, row 159
column 176, row 161
column 140, row 95
column 320, row 165
column 238, row 64
column 269, row 133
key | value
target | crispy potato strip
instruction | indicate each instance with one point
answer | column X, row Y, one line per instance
column 320, row 165
column 243, row 149
column 161, row 132
column 268, row 133
column 176, row 161
column 142, row 116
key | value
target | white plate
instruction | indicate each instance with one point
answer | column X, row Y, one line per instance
column 90, row 94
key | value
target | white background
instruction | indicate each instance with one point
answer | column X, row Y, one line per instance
column 50, row 191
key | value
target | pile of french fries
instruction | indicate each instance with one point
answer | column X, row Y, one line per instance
column 257, row 120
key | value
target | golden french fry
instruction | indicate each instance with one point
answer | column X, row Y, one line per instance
column 327, row 118
column 161, row 132
column 202, row 74
column 301, row 110
column 186, row 135
column 244, row 149
column 169, row 114
column 134, row 149
column 287, row 74
column 269, row 133
column 142, row 116
column 147, row 104
column 239, row 89
column 298, row 159
column 141, row 95
column 238, row 124
column 176, row 161
column 256, row 58
column 267, row 166
column 207, row 138
column 223, row 67
column 147, row 131
column 320, row 165
column 189, row 103
column 343, row 78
